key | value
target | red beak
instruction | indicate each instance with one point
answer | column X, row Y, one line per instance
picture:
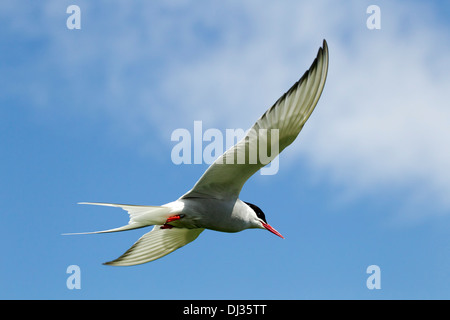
column 268, row 227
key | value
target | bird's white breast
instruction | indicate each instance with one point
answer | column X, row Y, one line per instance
column 214, row 214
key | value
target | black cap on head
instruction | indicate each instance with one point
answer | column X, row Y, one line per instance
column 258, row 211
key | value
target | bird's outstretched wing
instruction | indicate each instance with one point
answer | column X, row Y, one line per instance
column 226, row 176
column 156, row 244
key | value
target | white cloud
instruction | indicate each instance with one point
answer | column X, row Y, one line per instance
column 384, row 118
column 382, row 121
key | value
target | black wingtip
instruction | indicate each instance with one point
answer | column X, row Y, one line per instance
column 110, row 263
column 323, row 48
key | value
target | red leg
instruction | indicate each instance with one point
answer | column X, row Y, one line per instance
column 166, row 225
column 174, row 218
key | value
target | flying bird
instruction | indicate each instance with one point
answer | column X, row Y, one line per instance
column 213, row 203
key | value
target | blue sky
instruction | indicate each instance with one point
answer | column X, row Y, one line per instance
column 87, row 115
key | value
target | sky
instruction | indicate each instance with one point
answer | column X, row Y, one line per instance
column 87, row 115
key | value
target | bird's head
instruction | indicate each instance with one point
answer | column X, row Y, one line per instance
column 259, row 220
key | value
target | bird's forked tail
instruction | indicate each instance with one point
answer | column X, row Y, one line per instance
column 140, row 216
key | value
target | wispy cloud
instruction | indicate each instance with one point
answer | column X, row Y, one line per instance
column 382, row 121
column 385, row 115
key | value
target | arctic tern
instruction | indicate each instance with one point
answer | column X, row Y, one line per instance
column 213, row 203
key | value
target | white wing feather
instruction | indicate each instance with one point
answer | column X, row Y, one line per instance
column 223, row 180
column 156, row 244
